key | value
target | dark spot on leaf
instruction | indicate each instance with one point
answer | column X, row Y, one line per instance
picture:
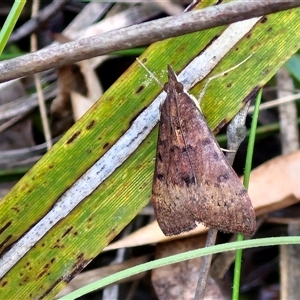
column 16, row 209
column 269, row 29
column 182, row 49
column 41, row 274
column 105, row 145
column 5, row 227
column 90, row 125
column 140, row 89
column 80, row 257
column 264, row 20
column 229, row 85
column 73, row 137
column 4, row 283
column 67, row 231
column 111, row 234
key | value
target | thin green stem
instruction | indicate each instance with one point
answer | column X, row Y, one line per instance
column 248, row 166
column 181, row 257
column 10, row 23
column 252, row 141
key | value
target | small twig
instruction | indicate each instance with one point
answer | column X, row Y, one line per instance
column 10, row 123
column 276, row 102
column 25, row 104
column 37, row 81
column 289, row 135
column 289, row 132
column 139, row 35
column 205, row 265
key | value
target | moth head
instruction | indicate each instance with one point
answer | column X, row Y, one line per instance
column 179, row 87
column 173, row 86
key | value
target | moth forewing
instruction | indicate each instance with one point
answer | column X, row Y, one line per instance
column 167, row 198
column 193, row 181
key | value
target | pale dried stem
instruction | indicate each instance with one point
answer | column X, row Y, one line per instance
column 38, row 85
column 205, row 265
column 289, row 254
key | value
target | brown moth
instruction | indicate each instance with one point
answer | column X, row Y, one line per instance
column 193, row 181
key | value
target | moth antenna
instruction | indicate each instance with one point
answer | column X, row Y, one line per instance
column 219, row 75
column 149, row 72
